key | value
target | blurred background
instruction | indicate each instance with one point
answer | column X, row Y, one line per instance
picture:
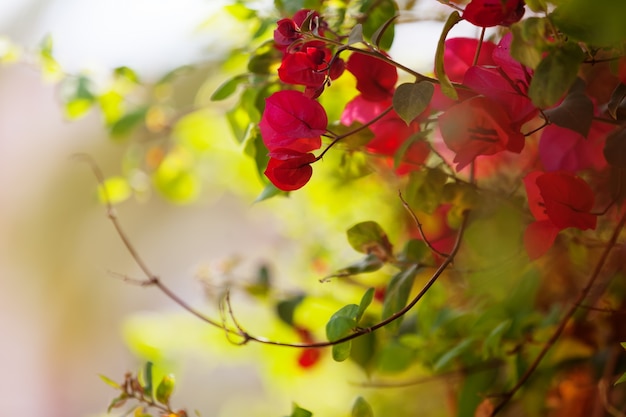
column 64, row 317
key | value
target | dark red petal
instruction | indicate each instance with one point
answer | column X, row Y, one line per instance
column 568, row 200
column 375, row 79
column 488, row 13
column 293, row 121
column 535, row 201
column 289, row 170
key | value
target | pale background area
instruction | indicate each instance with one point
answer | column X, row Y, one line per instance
column 61, row 313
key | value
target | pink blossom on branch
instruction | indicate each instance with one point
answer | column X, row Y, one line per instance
column 488, row 13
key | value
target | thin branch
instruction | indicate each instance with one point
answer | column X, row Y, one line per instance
column 352, row 132
column 153, row 280
column 566, row 318
column 419, row 226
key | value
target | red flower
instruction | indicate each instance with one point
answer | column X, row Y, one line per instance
column 390, row 132
column 557, row 200
column 478, row 126
column 309, row 67
column 286, row 33
column 375, row 79
column 487, row 13
column 308, row 356
column 564, row 149
column 289, row 170
column 292, row 121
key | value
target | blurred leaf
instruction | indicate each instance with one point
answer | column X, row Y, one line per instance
column 599, row 22
column 110, row 382
column 377, row 20
column 114, row 190
column 176, row 179
column 140, row 411
column 446, row 86
column 268, row 192
column 575, row 112
column 240, row 11
column 452, row 354
column 537, row 6
column 286, row 308
column 366, row 300
column 370, row 263
column 368, row 237
column 397, row 295
column 394, row 357
column 117, row 402
column 555, row 74
column 473, row 389
column 621, row 379
column 9, row 51
column 361, row 408
column 411, row 99
column 173, row 74
column 529, row 41
column 125, row 124
column 50, row 68
column 425, row 189
column 228, row 87
column 126, row 73
column 148, row 386
column 492, row 345
column 264, row 59
column 300, row 412
column 414, row 251
column 165, row 388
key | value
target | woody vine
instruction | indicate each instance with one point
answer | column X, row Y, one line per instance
column 509, row 163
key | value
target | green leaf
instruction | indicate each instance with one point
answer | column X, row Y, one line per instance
column 377, row 21
column 411, row 99
column 621, row 379
column 300, row 412
column 425, row 189
column 446, row 86
column 368, row 237
column 555, row 74
column 395, row 357
column 380, row 32
column 361, row 408
column 363, row 350
column 286, row 308
column 269, row 191
column 165, row 388
column 599, row 22
column 110, row 382
column 397, row 295
column 537, row 6
column 370, row 263
column 529, row 41
column 264, row 58
column 492, row 345
column 176, row 178
column 114, row 190
column 126, row 73
column 341, row 324
column 414, row 251
column 366, row 300
column 117, row 402
column 575, row 112
column 452, row 354
column 356, row 35
column 228, row 87
column 147, row 377
column 125, row 124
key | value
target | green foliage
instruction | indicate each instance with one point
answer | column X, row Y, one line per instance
column 446, row 86
column 409, row 100
column 361, row 408
column 555, row 74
